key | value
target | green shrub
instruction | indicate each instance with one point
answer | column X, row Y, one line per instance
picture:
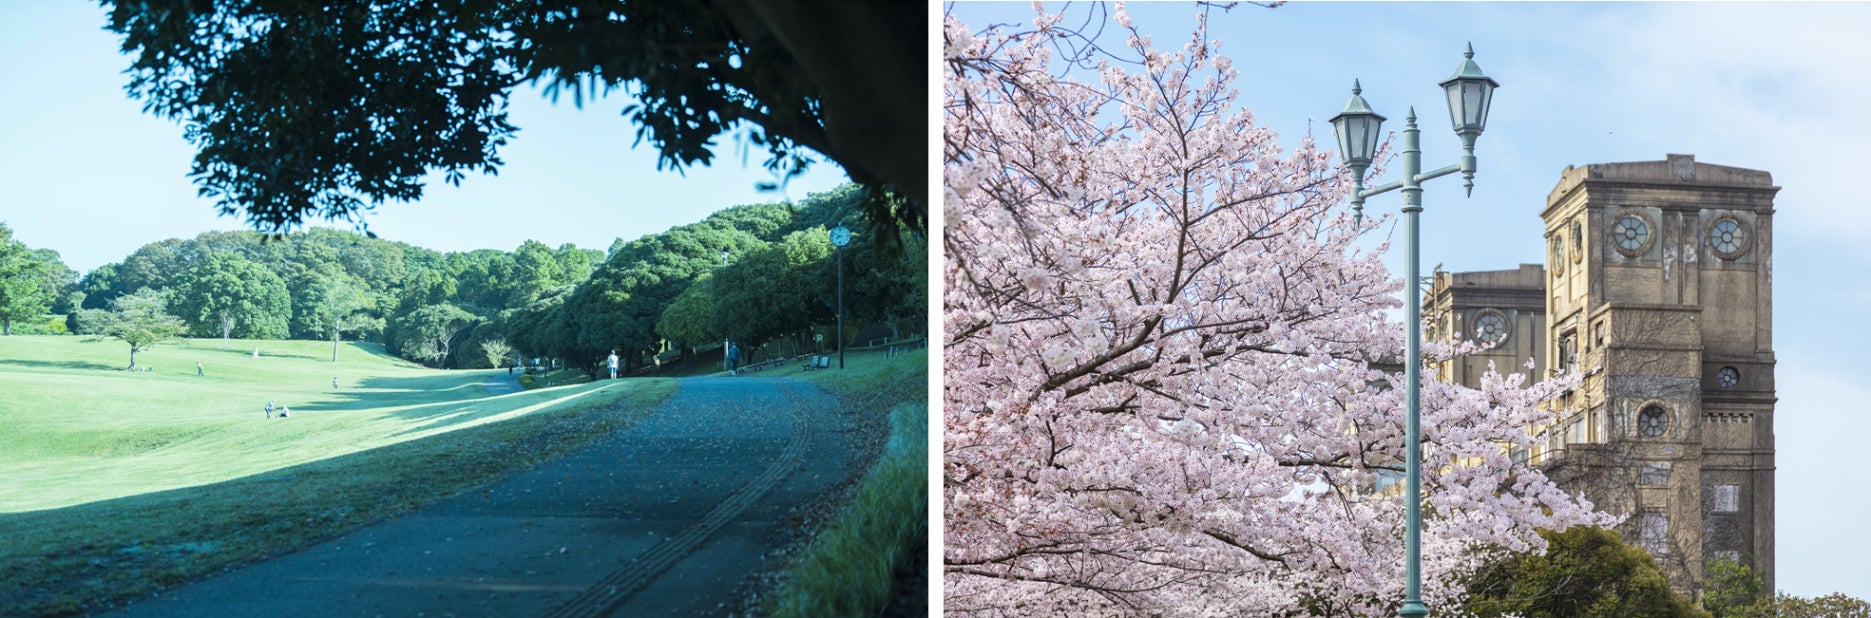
column 45, row 325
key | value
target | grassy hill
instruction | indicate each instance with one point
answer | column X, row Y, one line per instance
column 117, row 481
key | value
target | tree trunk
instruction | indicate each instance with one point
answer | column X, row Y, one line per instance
column 132, row 357
column 334, row 344
column 6, row 327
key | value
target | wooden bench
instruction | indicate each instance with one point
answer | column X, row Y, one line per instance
column 762, row 365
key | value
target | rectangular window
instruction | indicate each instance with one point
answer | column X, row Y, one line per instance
column 1654, row 532
column 1727, row 498
column 1730, row 554
column 1654, row 474
column 1569, row 351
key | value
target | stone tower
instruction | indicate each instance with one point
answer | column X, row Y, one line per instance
column 1658, row 289
column 1503, row 307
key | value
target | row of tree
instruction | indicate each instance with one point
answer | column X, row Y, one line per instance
column 751, row 273
column 32, row 281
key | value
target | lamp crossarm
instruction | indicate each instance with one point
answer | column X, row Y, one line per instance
column 1393, row 185
column 1380, row 189
column 1438, row 173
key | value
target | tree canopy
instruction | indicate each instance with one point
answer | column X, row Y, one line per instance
column 23, row 276
column 229, row 295
column 1585, row 572
column 1732, row 590
column 431, row 332
column 779, row 288
column 334, row 305
column 689, row 319
column 329, row 108
column 141, row 320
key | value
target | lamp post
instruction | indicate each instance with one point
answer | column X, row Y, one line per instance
column 1469, row 93
column 725, row 363
column 840, row 236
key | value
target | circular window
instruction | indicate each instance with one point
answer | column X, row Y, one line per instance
column 1630, row 234
column 1729, row 237
column 1578, row 242
column 1652, row 421
column 1490, row 327
column 1728, row 377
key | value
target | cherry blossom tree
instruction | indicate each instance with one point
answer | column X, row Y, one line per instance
column 1165, row 381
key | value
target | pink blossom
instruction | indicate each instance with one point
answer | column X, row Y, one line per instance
column 1160, row 395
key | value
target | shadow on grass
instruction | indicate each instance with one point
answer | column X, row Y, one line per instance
column 45, row 364
column 377, row 350
column 74, row 559
column 440, row 382
column 244, row 349
column 474, row 403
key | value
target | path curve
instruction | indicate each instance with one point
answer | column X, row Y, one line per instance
column 497, row 384
column 663, row 518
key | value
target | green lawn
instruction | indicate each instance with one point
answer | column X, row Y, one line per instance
column 113, row 482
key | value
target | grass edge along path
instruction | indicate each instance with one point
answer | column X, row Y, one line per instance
column 86, row 558
column 855, row 565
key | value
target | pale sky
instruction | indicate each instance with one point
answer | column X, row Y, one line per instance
column 1778, row 87
column 85, row 172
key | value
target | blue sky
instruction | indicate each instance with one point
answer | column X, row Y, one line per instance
column 1778, row 87
column 85, row 172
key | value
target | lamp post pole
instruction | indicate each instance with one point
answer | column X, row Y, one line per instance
column 841, row 306
column 725, row 363
column 1469, row 93
column 840, row 236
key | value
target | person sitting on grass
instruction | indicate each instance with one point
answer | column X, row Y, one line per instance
column 285, row 411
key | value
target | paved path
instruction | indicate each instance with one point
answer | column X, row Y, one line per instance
column 497, row 384
column 664, row 518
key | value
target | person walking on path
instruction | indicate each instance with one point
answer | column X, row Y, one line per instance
column 734, row 359
column 198, row 369
column 612, row 361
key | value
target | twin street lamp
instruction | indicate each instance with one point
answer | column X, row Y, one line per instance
column 1469, row 94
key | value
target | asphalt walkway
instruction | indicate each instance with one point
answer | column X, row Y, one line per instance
column 664, row 518
column 498, row 384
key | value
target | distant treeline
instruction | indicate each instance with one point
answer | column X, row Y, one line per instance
column 755, row 274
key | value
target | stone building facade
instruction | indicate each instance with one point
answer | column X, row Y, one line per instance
column 1658, row 289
